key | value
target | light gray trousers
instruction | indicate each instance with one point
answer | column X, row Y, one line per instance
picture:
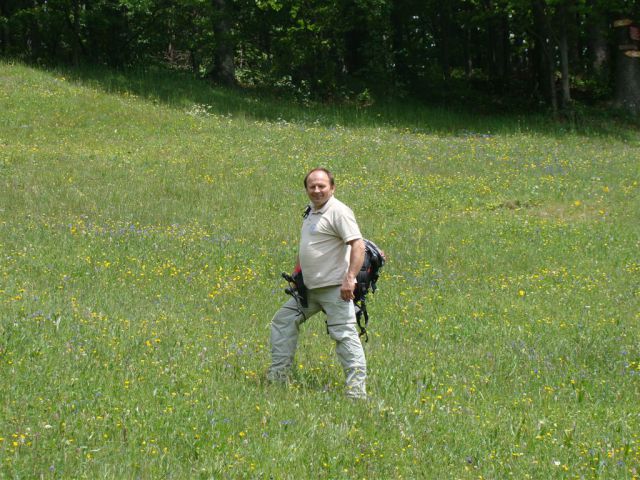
column 341, row 323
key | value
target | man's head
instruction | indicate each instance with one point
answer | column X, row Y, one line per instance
column 320, row 185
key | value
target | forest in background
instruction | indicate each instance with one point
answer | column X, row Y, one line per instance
column 551, row 53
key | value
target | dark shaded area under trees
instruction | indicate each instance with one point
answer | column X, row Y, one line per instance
column 513, row 52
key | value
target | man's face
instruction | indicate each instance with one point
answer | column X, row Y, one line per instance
column 319, row 188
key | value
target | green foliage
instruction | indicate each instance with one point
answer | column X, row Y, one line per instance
column 144, row 220
column 326, row 49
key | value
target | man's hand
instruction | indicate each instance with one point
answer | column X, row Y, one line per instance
column 347, row 288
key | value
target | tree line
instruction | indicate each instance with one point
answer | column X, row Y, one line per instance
column 551, row 51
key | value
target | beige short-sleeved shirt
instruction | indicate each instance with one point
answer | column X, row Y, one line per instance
column 324, row 252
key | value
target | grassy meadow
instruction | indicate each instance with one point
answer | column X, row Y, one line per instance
column 144, row 222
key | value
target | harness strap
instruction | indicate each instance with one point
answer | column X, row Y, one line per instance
column 362, row 312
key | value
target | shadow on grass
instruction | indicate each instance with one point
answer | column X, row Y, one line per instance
column 183, row 90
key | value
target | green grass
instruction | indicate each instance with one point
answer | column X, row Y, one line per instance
column 144, row 221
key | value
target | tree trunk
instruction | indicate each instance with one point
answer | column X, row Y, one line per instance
column 545, row 50
column 400, row 44
column 4, row 29
column 627, row 66
column 77, row 40
column 354, row 37
column 552, row 83
column 445, row 41
column 564, row 56
column 498, row 37
column 466, row 51
column 353, row 41
column 506, row 46
column 597, row 42
column 224, row 62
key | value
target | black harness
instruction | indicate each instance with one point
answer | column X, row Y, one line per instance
column 367, row 280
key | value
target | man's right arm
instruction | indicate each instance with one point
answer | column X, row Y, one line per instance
column 355, row 264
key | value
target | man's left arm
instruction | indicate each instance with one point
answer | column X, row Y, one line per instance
column 356, row 259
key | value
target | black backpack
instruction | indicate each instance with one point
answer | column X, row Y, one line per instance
column 367, row 279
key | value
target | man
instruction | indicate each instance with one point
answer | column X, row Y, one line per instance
column 330, row 255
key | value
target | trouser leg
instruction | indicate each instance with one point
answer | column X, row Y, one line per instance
column 341, row 323
column 351, row 355
column 284, row 338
